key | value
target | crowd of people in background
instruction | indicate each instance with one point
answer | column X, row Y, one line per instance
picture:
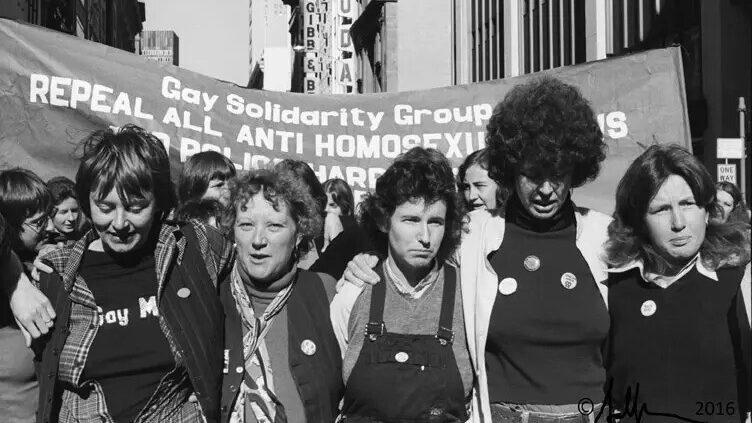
column 487, row 295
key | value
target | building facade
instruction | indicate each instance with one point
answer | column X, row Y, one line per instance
column 159, row 46
column 112, row 22
column 271, row 55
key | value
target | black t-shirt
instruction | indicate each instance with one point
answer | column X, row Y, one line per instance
column 130, row 354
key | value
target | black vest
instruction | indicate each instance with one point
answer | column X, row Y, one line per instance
column 196, row 323
column 319, row 376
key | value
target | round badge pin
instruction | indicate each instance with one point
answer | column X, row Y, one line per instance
column 401, row 357
column 508, row 286
column 184, row 292
column 531, row 263
column 648, row 308
column 568, row 280
column 308, row 347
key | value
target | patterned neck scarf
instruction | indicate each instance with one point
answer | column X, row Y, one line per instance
column 257, row 390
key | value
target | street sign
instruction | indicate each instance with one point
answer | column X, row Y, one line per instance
column 727, row 173
column 730, row 148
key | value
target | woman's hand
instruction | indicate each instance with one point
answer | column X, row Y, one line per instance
column 360, row 270
column 32, row 309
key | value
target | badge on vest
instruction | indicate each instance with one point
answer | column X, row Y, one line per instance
column 568, row 280
column 401, row 357
column 508, row 286
column 308, row 347
column 648, row 308
column 184, row 292
column 226, row 366
column 531, row 263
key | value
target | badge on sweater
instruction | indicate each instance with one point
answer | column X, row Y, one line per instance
column 401, row 357
column 568, row 280
column 648, row 308
column 531, row 263
column 508, row 286
column 308, row 347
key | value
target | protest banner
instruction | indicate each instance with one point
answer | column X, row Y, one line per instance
column 55, row 89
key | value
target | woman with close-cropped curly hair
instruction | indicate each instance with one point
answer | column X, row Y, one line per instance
column 290, row 368
column 533, row 280
column 405, row 353
column 680, row 283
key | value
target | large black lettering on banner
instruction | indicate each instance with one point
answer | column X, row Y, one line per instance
column 56, row 88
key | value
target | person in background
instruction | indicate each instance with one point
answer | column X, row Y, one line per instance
column 203, row 187
column 67, row 223
column 18, row 384
column 477, row 188
column 25, row 201
column 308, row 176
column 533, row 280
column 283, row 360
column 729, row 198
column 139, row 326
column 679, row 294
column 403, row 341
column 340, row 210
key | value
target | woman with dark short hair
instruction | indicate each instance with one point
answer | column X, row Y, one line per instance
column 203, row 187
column 729, row 199
column 25, row 201
column 67, row 223
column 282, row 357
column 533, row 280
column 405, row 353
column 679, row 295
column 139, row 325
column 477, row 188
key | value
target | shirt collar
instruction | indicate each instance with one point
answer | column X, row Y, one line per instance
column 393, row 274
column 696, row 262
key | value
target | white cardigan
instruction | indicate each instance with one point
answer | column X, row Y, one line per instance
column 480, row 282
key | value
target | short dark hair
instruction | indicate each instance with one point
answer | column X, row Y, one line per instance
column 278, row 185
column 61, row 189
column 544, row 128
column 22, row 194
column 132, row 161
column 725, row 243
column 308, row 176
column 341, row 194
column 419, row 173
column 199, row 170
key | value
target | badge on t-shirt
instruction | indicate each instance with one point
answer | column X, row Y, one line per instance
column 508, row 286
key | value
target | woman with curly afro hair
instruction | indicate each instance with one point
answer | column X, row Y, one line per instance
column 532, row 280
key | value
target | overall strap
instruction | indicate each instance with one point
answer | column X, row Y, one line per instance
column 445, row 334
column 375, row 326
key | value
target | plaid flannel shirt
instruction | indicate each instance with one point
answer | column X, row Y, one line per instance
column 84, row 401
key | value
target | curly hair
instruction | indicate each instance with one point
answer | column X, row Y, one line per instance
column 132, row 161
column 279, row 186
column 544, row 129
column 419, row 173
column 725, row 244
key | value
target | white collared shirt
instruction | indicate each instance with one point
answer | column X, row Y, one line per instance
column 666, row 281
